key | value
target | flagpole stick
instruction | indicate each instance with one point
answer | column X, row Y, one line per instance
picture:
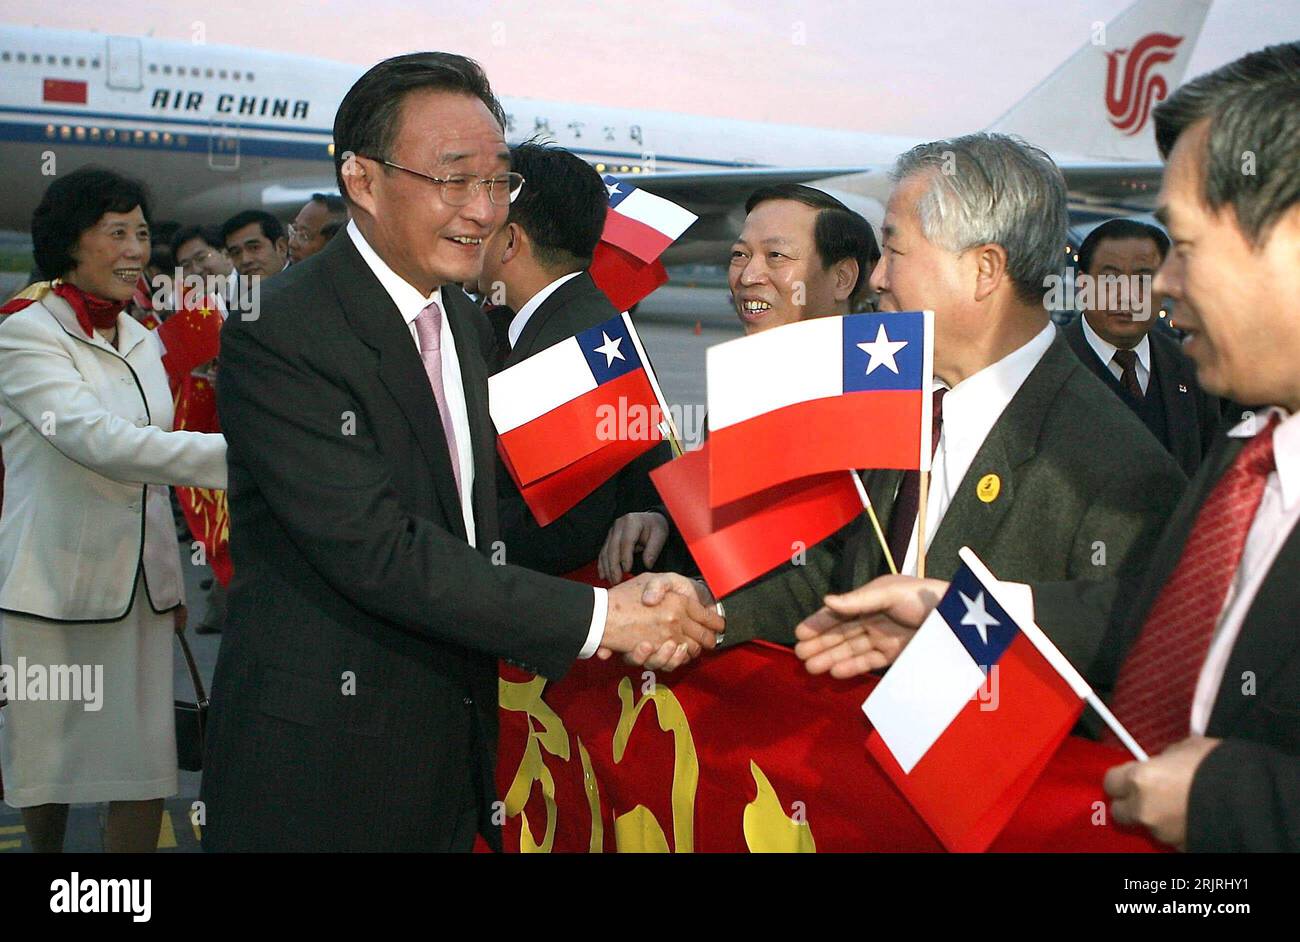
column 920, row 524
column 674, row 437
column 875, row 522
column 1116, row 727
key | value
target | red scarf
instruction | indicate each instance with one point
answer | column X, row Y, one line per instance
column 92, row 312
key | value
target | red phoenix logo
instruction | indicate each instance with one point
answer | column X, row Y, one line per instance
column 1129, row 98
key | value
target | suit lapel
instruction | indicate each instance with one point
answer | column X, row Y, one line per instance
column 378, row 323
column 461, row 314
column 1265, row 641
column 557, row 301
column 971, row 520
column 1178, row 397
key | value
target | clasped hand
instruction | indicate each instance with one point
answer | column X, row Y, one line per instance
column 660, row 621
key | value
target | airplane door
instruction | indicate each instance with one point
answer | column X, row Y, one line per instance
column 124, row 69
column 223, row 145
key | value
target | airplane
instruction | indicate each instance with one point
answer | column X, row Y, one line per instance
column 215, row 129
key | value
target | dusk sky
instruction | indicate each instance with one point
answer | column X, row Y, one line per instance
column 916, row 68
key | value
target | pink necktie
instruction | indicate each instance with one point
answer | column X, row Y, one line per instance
column 428, row 327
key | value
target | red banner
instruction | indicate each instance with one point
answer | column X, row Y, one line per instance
column 742, row 750
column 206, row 509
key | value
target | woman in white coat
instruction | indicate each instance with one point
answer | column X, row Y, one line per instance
column 90, row 572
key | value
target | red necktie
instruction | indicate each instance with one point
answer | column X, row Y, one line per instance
column 903, row 517
column 428, row 327
column 1127, row 361
column 1157, row 681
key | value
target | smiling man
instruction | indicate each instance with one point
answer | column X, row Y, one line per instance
column 802, row 253
column 354, row 705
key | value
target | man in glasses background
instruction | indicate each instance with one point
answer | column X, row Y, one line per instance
column 354, row 705
column 320, row 219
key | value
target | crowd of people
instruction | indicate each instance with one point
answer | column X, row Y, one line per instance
column 379, row 540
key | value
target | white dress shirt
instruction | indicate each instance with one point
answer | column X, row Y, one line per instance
column 1105, row 351
column 526, row 312
column 970, row 410
column 1278, row 513
column 410, row 302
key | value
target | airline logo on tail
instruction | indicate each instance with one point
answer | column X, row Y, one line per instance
column 1129, row 96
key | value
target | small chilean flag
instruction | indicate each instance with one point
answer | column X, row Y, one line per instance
column 967, row 717
column 572, row 416
column 640, row 222
column 736, row 544
column 828, row 394
column 65, row 91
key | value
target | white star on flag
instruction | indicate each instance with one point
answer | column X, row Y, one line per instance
column 610, row 350
column 977, row 616
column 612, row 189
column 882, row 350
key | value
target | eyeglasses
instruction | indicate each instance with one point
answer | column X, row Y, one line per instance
column 195, row 260
column 460, row 190
column 299, row 234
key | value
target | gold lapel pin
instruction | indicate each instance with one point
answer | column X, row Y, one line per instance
column 988, row 488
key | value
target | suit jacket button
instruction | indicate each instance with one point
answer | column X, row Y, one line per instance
column 468, row 701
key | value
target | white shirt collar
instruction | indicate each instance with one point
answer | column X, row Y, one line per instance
column 973, row 406
column 408, row 299
column 1286, row 448
column 526, row 312
column 1106, row 350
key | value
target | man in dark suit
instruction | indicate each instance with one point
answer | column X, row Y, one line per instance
column 535, row 271
column 354, row 702
column 1033, row 468
column 1113, row 337
column 1204, row 657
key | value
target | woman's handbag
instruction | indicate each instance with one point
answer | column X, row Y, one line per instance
column 191, row 718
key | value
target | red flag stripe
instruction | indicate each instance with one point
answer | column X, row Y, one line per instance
column 876, row 429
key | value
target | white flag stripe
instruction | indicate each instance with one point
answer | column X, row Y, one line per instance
column 776, row 368
column 922, row 693
column 535, row 386
column 656, row 212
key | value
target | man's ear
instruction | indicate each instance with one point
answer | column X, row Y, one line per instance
column 359, row 176
column 846, row 276
column 990, row 269
column 282, row 246
column 514, row 242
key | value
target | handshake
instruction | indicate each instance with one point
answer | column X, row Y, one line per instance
column 660, row 621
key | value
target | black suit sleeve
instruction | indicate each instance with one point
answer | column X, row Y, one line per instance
column 1245, row 797
column 332, row 495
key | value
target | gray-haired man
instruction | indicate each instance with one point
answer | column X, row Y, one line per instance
column 1034, row 467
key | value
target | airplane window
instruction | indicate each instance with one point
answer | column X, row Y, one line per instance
column 22, row 57
column 81, row 62
column 67, row 61
column 207, row 73
column 94, row 63
column 51, row 60
column 194, row 71
column 153, row 67
column 249, row 76
column 167, row 70
column 237, row 75
column 222, row 73
column 4, row 57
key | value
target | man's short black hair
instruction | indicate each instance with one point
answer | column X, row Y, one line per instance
column 1121, row 229
column 209, row 235
column 367, row 120
column 272, row 228
column 333, row 204
column 1253, row 105
column 838, row 233
column 72, row 204
column 562, row 204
